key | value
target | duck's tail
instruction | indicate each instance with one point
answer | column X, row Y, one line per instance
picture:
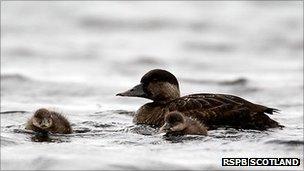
column 262, row 121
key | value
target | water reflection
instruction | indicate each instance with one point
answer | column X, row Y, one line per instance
column 43, row 137
column 47, row 137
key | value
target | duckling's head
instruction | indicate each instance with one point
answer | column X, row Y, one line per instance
column 174, row 122
column 43, row 119
column 157, row 85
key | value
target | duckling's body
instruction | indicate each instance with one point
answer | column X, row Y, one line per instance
column 178, row 124
column 45, row 121
column 213, row 110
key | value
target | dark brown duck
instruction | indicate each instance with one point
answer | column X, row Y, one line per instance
column 178, row 124
column 213, row 110
column 45, row 121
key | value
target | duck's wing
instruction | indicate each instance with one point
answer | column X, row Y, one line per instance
column 216, row 110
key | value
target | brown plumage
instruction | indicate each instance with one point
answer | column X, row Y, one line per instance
column 213, row 110
column 178, row 124
column 45, row 121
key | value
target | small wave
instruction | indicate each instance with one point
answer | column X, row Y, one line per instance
column 124, row 112
column 237, row 81
column 290, row 105
column 141, row 129
column 110, row 24
column 181, row 139
column 209, row 46
column 121, row 112
column 146, row 60
column 22, row 52
column 23, row 131
column 126, row 142
column 88, row 135
column 14, row 111
column 7, row 141
column 200, row 26
column 81, row 130
column 287, row 142
column 96, row 124
column 232, row 134
column 123, row 167
column 15, row 77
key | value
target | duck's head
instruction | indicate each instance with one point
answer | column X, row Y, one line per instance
column 43, row 119
column 174, row 122
column 157, row 85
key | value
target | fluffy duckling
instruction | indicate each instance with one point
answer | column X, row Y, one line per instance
column 178, row 124
column 45, row 121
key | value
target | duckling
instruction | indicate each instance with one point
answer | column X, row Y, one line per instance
column 178, row 124
column 213, row 110
column 44, row 121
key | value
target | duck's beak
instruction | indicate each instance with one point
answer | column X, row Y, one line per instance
column 136, row 91
column 46, row 123
column 165, row 128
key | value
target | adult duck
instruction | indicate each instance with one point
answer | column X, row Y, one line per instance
column 213, row 110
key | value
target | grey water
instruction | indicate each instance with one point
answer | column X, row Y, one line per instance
column 73, row 57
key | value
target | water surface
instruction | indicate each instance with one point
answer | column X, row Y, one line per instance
column 73, row 57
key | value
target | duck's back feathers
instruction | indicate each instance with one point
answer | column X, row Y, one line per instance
column 215, row 110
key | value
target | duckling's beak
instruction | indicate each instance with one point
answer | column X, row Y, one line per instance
column 165, row 128
column 45, row 123
column 136, row 91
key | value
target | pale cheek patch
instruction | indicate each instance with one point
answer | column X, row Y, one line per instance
column 164, row 90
